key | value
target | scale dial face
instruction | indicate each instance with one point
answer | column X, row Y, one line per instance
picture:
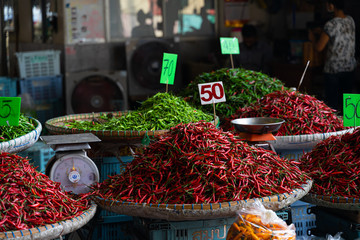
column 75, row 172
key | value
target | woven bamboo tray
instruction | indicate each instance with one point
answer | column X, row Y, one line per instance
column 305, row 141
column 180, row 212
column 56, row 126
column 333, row 202
column 24, row 142
column 52, row 231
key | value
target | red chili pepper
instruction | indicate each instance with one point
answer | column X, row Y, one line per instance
column 334, row 166
column 26, row 193
column 303, row 114
column 198, row 163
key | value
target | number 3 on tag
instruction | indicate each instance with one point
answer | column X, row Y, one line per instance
column 211, row 93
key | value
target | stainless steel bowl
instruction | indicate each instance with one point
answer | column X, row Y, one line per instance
column 259, row 125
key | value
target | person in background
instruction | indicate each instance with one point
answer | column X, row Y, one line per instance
column 143, row 29
column 254, row 54
column 338, row 35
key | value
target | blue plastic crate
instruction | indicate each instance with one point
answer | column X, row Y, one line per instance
column 38, row 154
column 302, row 218
column 39, row 63
column 113, row 218
column 47, row 109
column 7, row 87
column 152, row 229
column 201, row 229
column 292, row 153
column 109, row 166
column 42, row 88
column 113, row 230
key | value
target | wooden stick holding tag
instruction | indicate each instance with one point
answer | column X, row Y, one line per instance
column 303, row 75
column 214, row 112
column 232, row 61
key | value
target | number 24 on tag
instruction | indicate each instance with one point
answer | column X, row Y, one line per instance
column 211, row 93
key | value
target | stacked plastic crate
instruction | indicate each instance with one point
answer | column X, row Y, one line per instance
column 39, row 154
column 303, row 218
column 216, row 229
column 40, row 78
column 7, row 87
column 111, row 225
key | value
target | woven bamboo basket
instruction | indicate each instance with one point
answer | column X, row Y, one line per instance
column 180, row 212
column 333, row 202
column 24, row 142
column 52, row 231
column 305, row 141
column 56, row 126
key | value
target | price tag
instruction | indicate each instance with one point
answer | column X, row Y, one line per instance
column 211, row 93
column 229, row 45
column 351, row 109
column 168, row 68
column 10, row 111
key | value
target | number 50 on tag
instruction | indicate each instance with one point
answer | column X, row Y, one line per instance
column 351, row 110
column 211, row 93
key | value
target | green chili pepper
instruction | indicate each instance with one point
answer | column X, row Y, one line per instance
column 161, row 111
column 11, row 132
column 241, row 86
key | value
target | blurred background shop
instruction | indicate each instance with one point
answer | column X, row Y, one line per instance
column 121, row 42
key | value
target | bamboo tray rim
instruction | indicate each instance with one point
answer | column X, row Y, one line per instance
column 23, row 142
column 81, row 220
column 313, row 137
column 334, row 199
column 126, row 134
column 310, row 140
column 342, row 203
column 50, row 125
column 192, row 209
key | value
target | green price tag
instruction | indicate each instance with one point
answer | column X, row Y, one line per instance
column 351, row 109
column 9, row 111
column 168, row 68
column 229, row 45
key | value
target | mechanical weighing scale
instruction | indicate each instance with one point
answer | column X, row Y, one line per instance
column 258, row 131
column 71, row 166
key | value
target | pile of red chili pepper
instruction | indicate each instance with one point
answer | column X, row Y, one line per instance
column 334, row 165
column 303, row 114
column 198, row 163
column 30, row 199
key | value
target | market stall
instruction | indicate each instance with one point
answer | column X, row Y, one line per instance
column 189, row 170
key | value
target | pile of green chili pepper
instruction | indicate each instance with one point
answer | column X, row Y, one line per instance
column 241, row 86
column 11, row 132
column 303, row 114
column 198, row 163
column 334, row 165
column 30, row 199
column 161, row 111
